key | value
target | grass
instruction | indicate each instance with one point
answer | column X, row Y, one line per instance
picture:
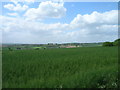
column 85, row 67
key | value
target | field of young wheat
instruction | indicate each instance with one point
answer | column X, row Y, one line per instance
column 85, row 67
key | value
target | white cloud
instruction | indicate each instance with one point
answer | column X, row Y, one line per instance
column 28, row 1
column 12, row 14
column 46, row 9
column 16, row 7
column 9, row 6
column 101, row 26
column 110, row 17
column 94, row 27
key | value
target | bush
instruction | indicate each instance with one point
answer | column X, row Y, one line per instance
column 116, row 42
column 108, row 44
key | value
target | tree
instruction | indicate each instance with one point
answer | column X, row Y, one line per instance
column 108, row 44
column 10, row 49
column 116, row 42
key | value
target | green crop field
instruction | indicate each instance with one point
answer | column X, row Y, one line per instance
column 85, row 67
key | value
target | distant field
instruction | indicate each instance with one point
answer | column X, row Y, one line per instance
column 85, row 67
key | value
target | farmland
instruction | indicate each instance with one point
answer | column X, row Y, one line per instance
column 82, row 67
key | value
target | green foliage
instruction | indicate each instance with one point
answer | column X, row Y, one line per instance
column 116, row 42
column 108, row 44
column 89, row 67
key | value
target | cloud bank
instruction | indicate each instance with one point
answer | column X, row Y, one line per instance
column 94, row 27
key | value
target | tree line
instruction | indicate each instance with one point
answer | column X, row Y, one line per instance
column 115, row 43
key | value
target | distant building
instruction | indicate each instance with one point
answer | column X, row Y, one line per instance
column 68, row 46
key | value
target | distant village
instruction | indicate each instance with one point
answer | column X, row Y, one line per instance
column 47, row 46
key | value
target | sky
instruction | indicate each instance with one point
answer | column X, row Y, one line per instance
column 58, row 22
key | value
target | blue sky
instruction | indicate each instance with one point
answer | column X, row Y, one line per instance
column 69, row 22
column 74, row 8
